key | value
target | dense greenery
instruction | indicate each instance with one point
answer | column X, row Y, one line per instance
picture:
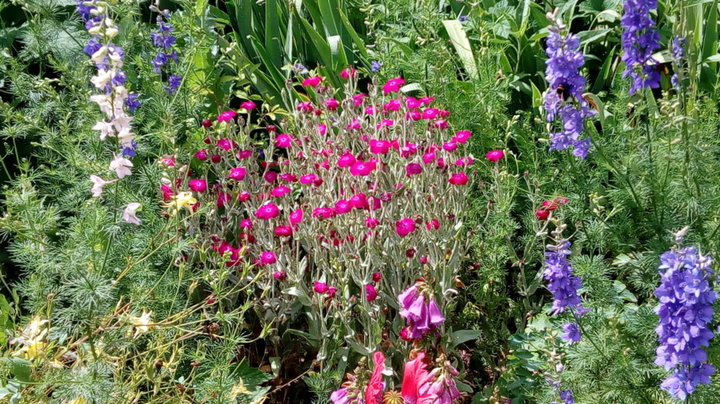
column 95, row 309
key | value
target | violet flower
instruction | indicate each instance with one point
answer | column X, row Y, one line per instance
column 685, row 310
column 561, row 282
column 564, row 96
column 640, row 40
column 163, row 39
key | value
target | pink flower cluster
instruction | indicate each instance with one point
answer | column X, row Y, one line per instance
column 420, row 310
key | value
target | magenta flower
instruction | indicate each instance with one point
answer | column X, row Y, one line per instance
column 346, row 160
column 393, row 85
column 464, row 161
column 310, row 179
column 403, row 227
column 198, row 185
column 283, row 140
column 495, row 155
column 379, row 146
column 226, row 144
column 323, row 213
column 459, row 178
column 280, row 191
column 371, row 222
column 462, row 136
column 313, row 81
column 332, row 104
column 201, row 154
column 226, row 116
column 343, row 206
column 283, row 231
column 347, row 73
column 267, row 211
column 280, row 275
column 320, row 287
column 450, row 146
column 237, row 173
column 370, row 293
column 249, row 105
column 296, row 216
column 359, row 201
column 222, row 199
column 267, row 258
column 420, row 310
column 413, row 169
column 362, row 168
column 433, row 224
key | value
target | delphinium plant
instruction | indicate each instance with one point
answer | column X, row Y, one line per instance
column 343, row 209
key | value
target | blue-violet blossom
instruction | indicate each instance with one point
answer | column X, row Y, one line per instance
column 640, row 40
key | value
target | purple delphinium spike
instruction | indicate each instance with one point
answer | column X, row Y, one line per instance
column 640, row 40
column 571, row 332
column 561, row 282
column 563, row 100
column 163, row 39
column 685, row 311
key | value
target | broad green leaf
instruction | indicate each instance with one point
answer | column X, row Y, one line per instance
column 462, row 46
column 462, row 336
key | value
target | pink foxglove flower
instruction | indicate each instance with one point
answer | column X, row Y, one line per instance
column 420, row 310
column 98, row 185
column 121, row 166
column 129, row 213
column 405, row 226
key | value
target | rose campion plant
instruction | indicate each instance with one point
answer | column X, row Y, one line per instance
column 316, row 215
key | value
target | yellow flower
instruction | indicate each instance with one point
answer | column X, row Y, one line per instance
column 142, row 324
column 238, row 389
column 181, row 200
column 77, row 400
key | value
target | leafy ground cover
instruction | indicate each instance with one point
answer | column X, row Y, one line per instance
column 359, row 201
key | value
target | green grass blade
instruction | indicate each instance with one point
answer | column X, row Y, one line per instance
column 461, row 43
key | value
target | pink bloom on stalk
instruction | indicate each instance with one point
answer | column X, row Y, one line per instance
column 347, row 73
column 287, row 177
column 270, row 176
column 414, row 115
column 358, row 99
column 370, row 293
column 283, row 231
column 359, row 201
column 244, row 196
column 459, row 178
column 462, row 136
column 413, row 169
column 226, row 116
column 415, row 375
column 379, row 146
column 166, row 191
column 267, row 258
column 346, row 160
column 222, row 199
column 362, row 168
column 429, row 157
column 450, row 146
column 280, row 191
column 313, row 81
column 444, row 113
column 249, row 105
column 403, row 227
column 280, row 275
column 430, row 113
column 371, row 222
column 243, row 154
column 168, row 161
column 427, row 100
column 322, row 129
column 412, row 102
column 332, row 104
column 267, row 211
column 296, row 216
column 323, row 213
column 376, row 276
column 201, row 154
column 354, row 125
column 343, row 206
column 385, row 123
column 198, row 185
column 206, row 123
column 226, row 144
column 433, row 224
column 393, row 85
column 392, row 105
column 441, row 124
column 408, row 149
column 464, row 161
column 495, row 155
column 441, row 163
column 320, row 287
column 423, row 260
column 370, row 110
column 375, row 387
column 237, row 173
column 305, row 106
column 283, row 140
column 310, row 179
column 129, row 213
column 331, row 291
column 246, row 224
column 215, row 158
